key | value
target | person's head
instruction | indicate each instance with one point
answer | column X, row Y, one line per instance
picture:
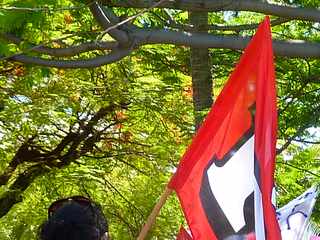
column 236, row 237
column 74, row 218
column 250, row 236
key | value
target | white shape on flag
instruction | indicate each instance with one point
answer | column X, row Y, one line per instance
column 293, row 217
column 233, row 183
column 258, row 213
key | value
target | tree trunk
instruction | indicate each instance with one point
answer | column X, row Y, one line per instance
column 201, row 71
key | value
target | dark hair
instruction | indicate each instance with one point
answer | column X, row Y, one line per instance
column 74, row 221
column 236, row 237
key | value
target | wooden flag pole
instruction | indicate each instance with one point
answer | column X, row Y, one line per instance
column 155, row 212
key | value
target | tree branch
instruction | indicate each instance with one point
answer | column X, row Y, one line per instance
column 63, row 52
column 113, row 56
column 306, row 141
column 131, row 18
column 289, row 48
column 107, row 182
column 40, row 9
column 236, row 28
column 106, row 19
column 264, row 7
column 14, row 193
column 70, row 148
column 299, row 168
column 289, row 140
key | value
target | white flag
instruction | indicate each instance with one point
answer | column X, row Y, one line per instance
column 293, row 218
column 312, row 232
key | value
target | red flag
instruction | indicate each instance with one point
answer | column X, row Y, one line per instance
column 251, row 236
column 183, row 234
column 225, row 179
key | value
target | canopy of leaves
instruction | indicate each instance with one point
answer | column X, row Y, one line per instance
column 116, row 133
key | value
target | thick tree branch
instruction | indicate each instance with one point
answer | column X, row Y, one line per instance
column 40, row 9
column 235, row 28
column 106, row 19
column 113, row 56
column 74, row 50
column 309, row 14
column 71, row 147
column 76, row 142
column 25, row 153
column 129, row 19
column 63, row 52
column 14, row 194
column 289, row 48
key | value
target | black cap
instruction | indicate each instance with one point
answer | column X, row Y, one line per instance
column 75, row 221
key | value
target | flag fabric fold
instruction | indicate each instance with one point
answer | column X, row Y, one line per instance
column 224, row 180
column 183, row 234
column 294, row 217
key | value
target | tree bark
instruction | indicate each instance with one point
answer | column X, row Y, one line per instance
column 287, row 48
column 299, row 13
column 130, row 37
column 201, row 72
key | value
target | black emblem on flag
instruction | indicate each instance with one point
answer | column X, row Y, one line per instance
column 227, row 190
